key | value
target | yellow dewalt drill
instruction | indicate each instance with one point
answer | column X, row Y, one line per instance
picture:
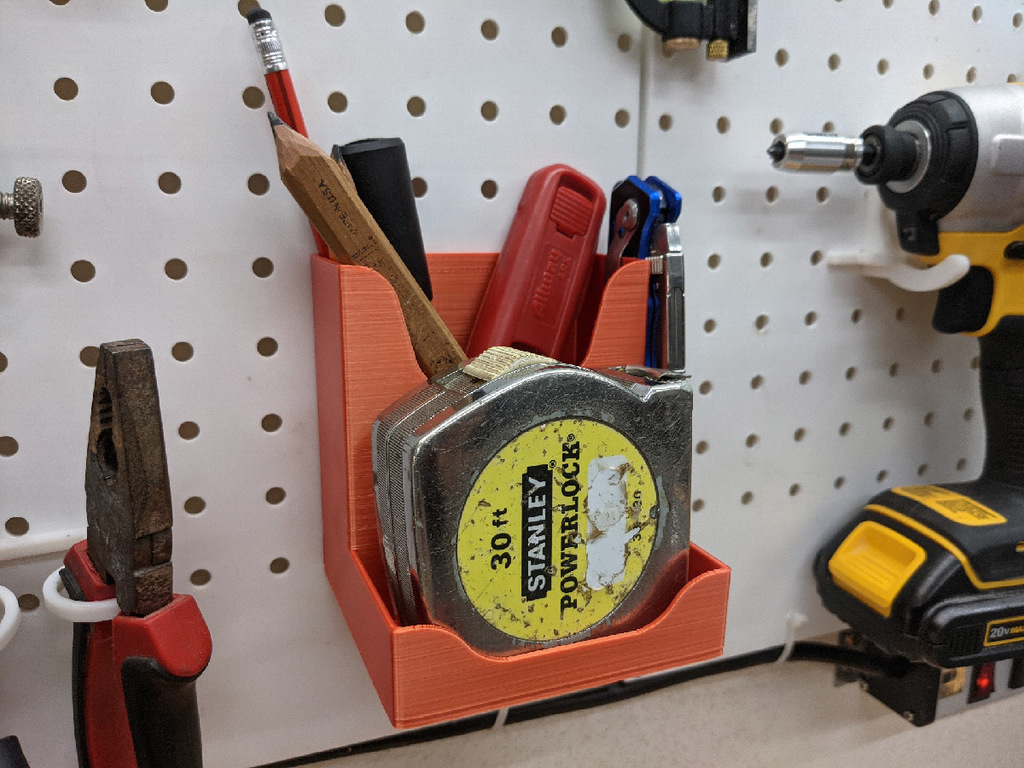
column 935, row 573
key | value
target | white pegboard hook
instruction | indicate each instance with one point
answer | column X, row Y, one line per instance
column 11, row 616
column 77, row 611
column 882, row 257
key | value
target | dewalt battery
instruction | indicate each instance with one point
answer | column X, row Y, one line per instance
column 524, row 503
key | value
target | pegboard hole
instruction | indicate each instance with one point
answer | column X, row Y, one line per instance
column 275, row 495
column 844, row 428
column 805, row 377
column 169, row 183
column 338, row 102
column 419, row 187
column 182, row 351
column 800, row 434
column 416, row 106
column 253, row 97
column 921, row 470
column 839, row 482
column 723, row 124
column 246, row 6
column 894, row 370
column 334, row 15
column 810, row 319
column 65, row 88
column 263, row 267
column 888, row 423
column 976, row 14
column 936, row 366
column 200, row 577
column 851, row 372
column 625, row 43
column 968, row 414
column 771, row 194
column 705, row 387
column 928, row 71
column 775, row 126
column 557, row 114
column 761, row 322
column 961, row 465
column 816, row 258
column 267, row 346
column 258, row 184
column 972, row 74
column 8, row 446
column 702, row 447
column 718, row 194
column 855, row 316
column 559, row 37
column 698, row 505
column 933, row 7
column 16, row 526
column 665, row 122
column 929, row 418
column 782, row 57
column 822, row 194
column 194, row 505
column 489, row 29
column 709, row 326
column 271, row 422
column 747, row 497
column 757, row 382
column 83, row 271
column 834, row 61
column 828, row 127
column 175, row 269
column 766, row 260
column 714, row 261
column 489, row 111
column 28, row 602
column 751, row 441
column 883, row 66
column 880, row 477
column 3, row 362
column 188, row 430
column 489, row 189
column 162, row 93
column 1018, row 20
column 415, row 22
column 622, row 118
column 89, row 356
column 73, row 181
column 279, row 565
column 1011, row 78
column 156, row 5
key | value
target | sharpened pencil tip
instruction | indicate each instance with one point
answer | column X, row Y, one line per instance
column 274, row 120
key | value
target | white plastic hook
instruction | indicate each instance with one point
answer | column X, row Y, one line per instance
column 78, row 611
column 882, row 256
column 11, row 618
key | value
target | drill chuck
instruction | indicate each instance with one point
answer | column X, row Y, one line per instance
column 821, row 153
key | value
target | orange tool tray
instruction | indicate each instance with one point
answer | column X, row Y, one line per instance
column 425, row 673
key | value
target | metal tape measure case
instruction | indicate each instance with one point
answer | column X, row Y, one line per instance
column 542, row 506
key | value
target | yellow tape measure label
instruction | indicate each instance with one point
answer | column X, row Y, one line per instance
column 950, row 504
column 1004, row 631
column 557, row 529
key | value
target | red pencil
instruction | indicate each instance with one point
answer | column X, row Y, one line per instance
column 279, row 83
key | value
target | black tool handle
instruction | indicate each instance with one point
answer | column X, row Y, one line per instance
column 163, row 714
column 1002, row 401
column 11, row 755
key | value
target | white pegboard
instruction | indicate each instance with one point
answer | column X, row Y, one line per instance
column 572, row 81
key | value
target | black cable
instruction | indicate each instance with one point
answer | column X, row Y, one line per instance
column 861, row 661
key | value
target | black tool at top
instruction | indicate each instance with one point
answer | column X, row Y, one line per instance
column 380, row 171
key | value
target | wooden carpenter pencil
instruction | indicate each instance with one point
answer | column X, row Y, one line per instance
column 327, row 195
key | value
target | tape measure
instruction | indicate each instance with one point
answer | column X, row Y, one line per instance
column 523, row 502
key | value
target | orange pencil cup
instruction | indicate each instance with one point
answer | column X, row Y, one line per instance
column 426, row 673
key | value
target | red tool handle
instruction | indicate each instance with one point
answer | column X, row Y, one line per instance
column 535, row 290
column 134, row 679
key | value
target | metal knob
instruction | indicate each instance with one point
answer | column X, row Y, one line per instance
column 24, row 205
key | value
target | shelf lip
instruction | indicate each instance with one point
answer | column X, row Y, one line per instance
column 37, row 545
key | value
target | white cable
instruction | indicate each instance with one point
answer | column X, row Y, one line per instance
column 499, row 721
column 12, row 616
column 794, row 620
column 78, row 611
